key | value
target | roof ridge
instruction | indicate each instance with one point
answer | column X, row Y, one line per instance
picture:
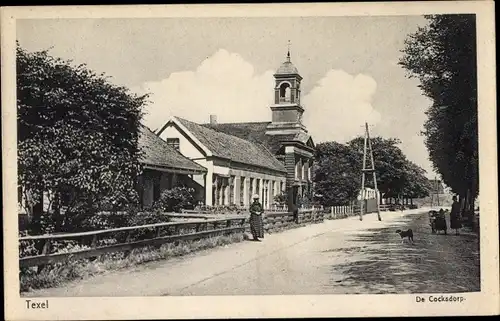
column 205, row 130
column 219, row 132
column 236, row 123
column 165, row 144
column 247, row 140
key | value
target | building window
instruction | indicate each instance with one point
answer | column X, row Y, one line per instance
column 251, row 190
column 297, row 170
column 173, row 142
column 231, row 190
column 309, row 173
column 242, row 191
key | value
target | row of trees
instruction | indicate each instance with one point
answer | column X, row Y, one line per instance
column 442, row 55
column 77, row 139
column 338, row 171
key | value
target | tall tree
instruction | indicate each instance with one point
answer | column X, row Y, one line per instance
column 417, row 186
column 390, row 164
column 77, row 138
column 338, row 173
column 442, row 55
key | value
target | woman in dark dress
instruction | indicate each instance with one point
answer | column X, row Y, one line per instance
column 455, row 223
column 256, row 222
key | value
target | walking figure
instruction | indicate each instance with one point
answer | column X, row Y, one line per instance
column 455, row 216
column 256, row 222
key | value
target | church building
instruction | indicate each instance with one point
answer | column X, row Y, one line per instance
column 241, row 159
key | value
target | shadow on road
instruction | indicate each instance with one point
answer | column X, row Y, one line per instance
column 436, row 263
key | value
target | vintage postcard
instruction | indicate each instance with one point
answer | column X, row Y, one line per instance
column 247, row 161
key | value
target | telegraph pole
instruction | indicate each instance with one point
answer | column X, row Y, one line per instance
column 368, row 145
column 435, row 192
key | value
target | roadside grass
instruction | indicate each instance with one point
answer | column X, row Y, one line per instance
column 61, row 273
column 58, row 274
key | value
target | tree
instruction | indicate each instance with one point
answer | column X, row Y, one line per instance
column 390, row 164
column 442, row 55
column 417, row 186
column 338, row 173
column 77, row 138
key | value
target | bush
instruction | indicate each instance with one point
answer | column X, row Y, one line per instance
column 175, row 199
column 281, row 198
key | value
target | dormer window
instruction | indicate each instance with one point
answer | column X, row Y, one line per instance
column 173, row 142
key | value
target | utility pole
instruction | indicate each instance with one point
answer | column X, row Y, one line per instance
column 435, row 192
column 368, row 145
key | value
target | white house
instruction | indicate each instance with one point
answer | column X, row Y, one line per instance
column 242, row 159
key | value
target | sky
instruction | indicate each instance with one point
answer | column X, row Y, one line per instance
column 197, row 67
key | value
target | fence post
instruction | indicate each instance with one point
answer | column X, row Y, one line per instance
column 127, row 240
column 45, row 251
column 94, row 241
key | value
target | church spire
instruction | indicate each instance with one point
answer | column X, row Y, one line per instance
column 288, row 53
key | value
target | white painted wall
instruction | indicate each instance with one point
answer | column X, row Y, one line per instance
column 208, row 185
column 222, row 170
column 189, row 150
column 185, row 147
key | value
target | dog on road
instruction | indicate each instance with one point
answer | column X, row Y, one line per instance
column 406, row 235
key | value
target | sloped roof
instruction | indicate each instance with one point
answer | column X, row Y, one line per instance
column 233, row 147
column 287, row 68
column 256, row 132
column 157, row 152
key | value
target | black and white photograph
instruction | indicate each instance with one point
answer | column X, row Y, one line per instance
column 223, row 156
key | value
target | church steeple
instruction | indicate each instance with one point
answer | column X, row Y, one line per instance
column 288, row 54
column 287, row 110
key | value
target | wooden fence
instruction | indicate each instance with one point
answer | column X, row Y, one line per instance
column 274, row 221
column 311, row 216
column 125, row 239
column 336, row 212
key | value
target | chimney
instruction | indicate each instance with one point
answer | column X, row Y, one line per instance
column 213, row 119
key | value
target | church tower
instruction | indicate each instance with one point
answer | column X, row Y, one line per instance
column 286, row 110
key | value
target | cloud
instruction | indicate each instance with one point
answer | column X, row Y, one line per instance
column 227, row 86
column 339, row 105
column 223, row 84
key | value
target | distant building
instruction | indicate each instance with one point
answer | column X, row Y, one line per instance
column 242, row 159
column 369, row 193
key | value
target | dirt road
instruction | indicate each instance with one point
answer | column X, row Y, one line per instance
column 335, row 257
